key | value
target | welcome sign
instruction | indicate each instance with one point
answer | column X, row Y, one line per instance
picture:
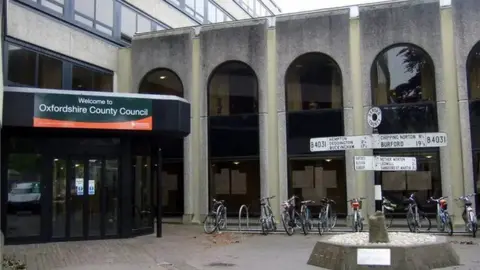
column 92, row 112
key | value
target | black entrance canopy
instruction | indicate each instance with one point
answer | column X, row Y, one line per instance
column 48, row 108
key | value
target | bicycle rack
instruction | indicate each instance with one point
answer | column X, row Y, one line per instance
column 243, row 207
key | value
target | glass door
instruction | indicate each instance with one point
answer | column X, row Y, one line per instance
column 84, row 197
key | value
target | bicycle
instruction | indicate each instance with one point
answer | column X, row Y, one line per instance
column 291, row 219
column 468, row 214
column 217, row 218
column 357, row 219
column 327, row 219
column 267, row 220
column 443, row 218
column 306, row 214
column 388, row 207
column 415, row 217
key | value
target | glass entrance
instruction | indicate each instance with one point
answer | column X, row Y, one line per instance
column 84, row 197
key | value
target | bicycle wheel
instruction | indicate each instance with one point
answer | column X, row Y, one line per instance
column 332, row 220
column 210, row 224
column 411, row 222
column 308, row 219
column 286, row 223
column 474, row 229
column 321, row 223
column 263, row 224
column 424, row 223
column 221, row 218
column 388, row 220
column 354, row 223
column 303, row 224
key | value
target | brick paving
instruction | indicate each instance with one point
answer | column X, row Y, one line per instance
column 187, row 248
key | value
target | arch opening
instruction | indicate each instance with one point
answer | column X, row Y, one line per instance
column 234, row 174
column 161, row 81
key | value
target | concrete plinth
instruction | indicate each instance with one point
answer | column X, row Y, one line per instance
column 335, row 256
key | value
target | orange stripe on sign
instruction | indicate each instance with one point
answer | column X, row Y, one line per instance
column 142, row 124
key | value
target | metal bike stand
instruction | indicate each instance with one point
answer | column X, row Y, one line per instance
column 243, row 207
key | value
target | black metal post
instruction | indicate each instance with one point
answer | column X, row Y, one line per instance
column 378, row 204
column 159, row 193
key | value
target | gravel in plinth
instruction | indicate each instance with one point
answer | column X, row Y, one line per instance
column 407, row 251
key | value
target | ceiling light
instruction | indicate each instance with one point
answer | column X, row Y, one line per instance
column 428, row 156
column 236, row 162
column 162, row 77
column 328, row 160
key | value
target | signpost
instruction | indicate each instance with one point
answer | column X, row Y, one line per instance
column 379, row 141
column 379, row 163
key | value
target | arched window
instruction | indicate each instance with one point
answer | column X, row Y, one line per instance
column 164, row 81
column 473, row 81
column 313, row 81
column 403, row 86
column 314, row 103
column 233, row 90
column 233, row 136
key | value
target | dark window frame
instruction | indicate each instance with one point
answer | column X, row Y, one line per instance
column 67, row 63
column 68, row 17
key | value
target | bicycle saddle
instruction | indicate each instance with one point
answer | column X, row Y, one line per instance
column 307, row 201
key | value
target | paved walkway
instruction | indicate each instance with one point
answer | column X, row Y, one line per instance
column 187, row 248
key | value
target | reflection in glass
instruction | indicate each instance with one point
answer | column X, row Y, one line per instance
column 411, row 118
column 313, row 81
column 82, row 78
column 77, row 191
column 24, row 194
column 425, row 182
column 142, row 190
column 94, row 181
column 403, row 74
column 161, row 82
column 50, row 72
column 316, row 178
column 233, row 89
column 59, row 207
column 172, row 179
column 236, row 181
column 111, row 196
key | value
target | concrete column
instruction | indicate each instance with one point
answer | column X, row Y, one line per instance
column 192, row 141
column 359, row 184
column 270, row 181
column 2, row 12
column 123, row 76
column 198, row 138
column 449, row 118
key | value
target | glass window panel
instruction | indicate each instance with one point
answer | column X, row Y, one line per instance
column 200, row 7
column 102, row 82
column 220, row 16
column 144, row 25
column 21, row 66
column 24, row 194
column 128, row 24
column 51, row 5
column 158, row 27
column 86, row 7
column 403, row 74
column 82, row 78
column 190, row 3
column 77, row 191
column 84, row 20
column 94, row 204
column 142, row 200
column 59, row 193
column 111, row 194
column 211, row 12
column 104, row 29
column 50, row 71
column 258, row 8
column 104, row 12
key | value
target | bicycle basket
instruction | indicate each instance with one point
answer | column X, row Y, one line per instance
column 356, row 205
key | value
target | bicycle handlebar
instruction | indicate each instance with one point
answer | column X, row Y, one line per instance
column 436, row 200
column 358, row 199
column 466, row 196
column 327, row 200
column 267, row 198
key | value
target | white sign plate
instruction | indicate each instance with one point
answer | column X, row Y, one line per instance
column 373, row 256
column 364, row 163
column 374, row 117
column 409, row 140
column 395, row 163
column 379, row 163
column 340, row 143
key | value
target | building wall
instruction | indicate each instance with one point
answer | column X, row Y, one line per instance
column 428, row 25
column 38, row 29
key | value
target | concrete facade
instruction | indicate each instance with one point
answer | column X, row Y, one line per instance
column 353, row 37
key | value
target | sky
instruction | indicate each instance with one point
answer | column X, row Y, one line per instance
column 289, row 6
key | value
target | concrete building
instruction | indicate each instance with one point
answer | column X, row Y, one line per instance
column 255, row 92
